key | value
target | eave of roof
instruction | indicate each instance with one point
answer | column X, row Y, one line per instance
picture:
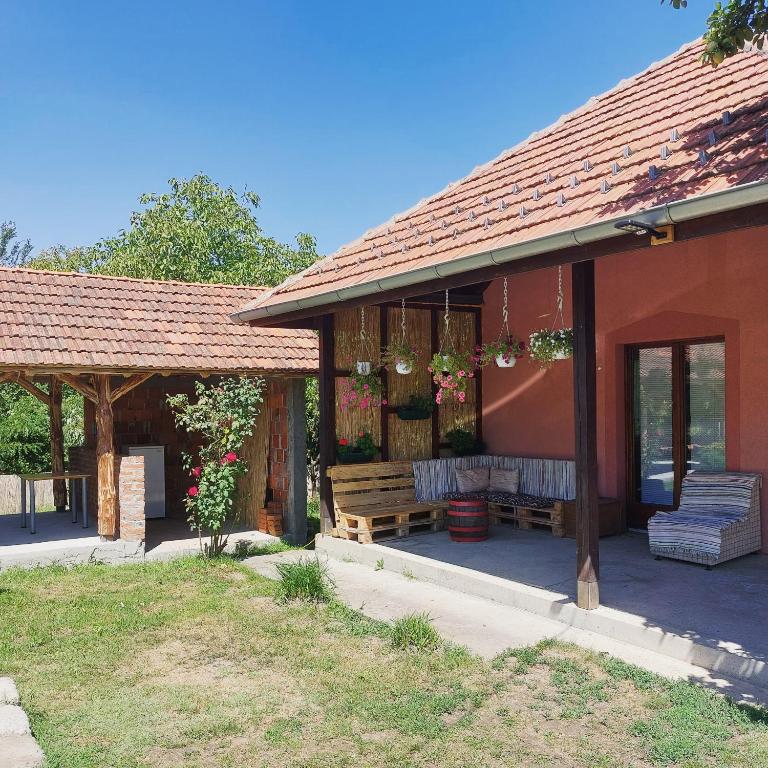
column 414, row 246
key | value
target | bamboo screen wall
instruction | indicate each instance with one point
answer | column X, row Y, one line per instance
column 403, row 439
column 252, row 486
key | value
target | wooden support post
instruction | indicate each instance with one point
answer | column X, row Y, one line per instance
column 327, row 425
column 585, row 412
column 57, row 443
column 105, row 458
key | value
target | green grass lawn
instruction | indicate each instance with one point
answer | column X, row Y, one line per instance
column 194, row 663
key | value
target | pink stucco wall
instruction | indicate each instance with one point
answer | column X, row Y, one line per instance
column 716, row 286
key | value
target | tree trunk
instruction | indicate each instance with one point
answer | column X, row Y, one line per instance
column 57, row 443
column 105, row 459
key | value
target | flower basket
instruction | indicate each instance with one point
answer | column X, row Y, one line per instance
column 400, row 356
column 452, row 372
column 505, row 352
column 363, row 390
column 417, row 409
column 363, row 449
column 546, row 346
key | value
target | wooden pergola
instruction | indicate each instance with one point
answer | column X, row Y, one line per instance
column 98, row 388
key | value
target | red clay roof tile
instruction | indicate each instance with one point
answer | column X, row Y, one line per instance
column 678, row 93
column 63, row 319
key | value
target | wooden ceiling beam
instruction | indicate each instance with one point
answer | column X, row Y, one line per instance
column 128, row 385
column 85, row 389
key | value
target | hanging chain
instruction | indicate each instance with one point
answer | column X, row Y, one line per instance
column 505, row 312
column 447, row 310
column 402, row 318
column 560, row 297
column 362, row 325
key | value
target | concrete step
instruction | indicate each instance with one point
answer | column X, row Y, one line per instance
column 729, row 663
column 485, row 626
column 20, row 752
column 13, row 721
column 8, row 692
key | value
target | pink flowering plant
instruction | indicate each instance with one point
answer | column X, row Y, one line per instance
column 362, row 390
column 452, row 372
column 507, row 347
column 223, row 416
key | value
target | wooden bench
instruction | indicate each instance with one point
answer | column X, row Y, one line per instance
column 378, row 501
column 527, row 517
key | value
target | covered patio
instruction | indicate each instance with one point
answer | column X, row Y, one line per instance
column 641, row 222
column 125, row 345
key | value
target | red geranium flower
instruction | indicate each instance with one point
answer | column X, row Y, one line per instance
column 193, row 491
column 230, row 457
column 197, row 471
column 343, row 441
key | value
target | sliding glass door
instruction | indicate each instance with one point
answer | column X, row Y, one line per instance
column 676, row 415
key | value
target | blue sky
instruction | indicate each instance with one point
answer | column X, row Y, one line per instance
column 337, row 114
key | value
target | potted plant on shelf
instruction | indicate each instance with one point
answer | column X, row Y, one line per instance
column 505, row 352
column 547, row 346
column 418, row 408
column 452, row 372
column 464, row 443
column 399, row 355
column 363, row 390
column 362, row 450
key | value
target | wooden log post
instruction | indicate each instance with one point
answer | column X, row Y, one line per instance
column 105, row 458
column 585, row 412
column 57, row 443
column 327, row 421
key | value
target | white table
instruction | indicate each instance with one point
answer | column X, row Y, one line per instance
column 28, row 484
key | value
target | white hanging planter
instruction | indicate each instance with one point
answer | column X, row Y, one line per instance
column 363, row 367
column 502, row 363
column 561, row 355
column 403, row 368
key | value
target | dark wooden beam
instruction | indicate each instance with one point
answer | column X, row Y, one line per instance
column 585, row 412
column 105, row 458
column 128, row 385
column 57, row 443
column 327, row 422
column 85, row 389
column 384, row 411
column 742, row 218
column 29, row 386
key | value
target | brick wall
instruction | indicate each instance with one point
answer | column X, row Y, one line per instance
column 278, row 479
column 130, row 483
column 129, row 478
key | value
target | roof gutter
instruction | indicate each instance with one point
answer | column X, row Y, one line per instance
column 670, row 213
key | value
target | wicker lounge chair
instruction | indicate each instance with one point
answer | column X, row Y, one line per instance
column 718, row 519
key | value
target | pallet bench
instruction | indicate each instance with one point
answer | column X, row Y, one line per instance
column 527, row 517
column 377, row 501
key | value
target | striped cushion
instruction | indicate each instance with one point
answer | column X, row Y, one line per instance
column 699, row 532
column 717, row 495
column 505, row 499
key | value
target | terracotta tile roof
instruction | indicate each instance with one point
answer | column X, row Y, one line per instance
column 592, row 165
column 63, row 319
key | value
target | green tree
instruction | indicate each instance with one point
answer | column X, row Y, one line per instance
column 198, row 232
column 13, row 252
column 731, row 26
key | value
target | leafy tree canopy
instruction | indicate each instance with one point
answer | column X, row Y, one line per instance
column 199, row 232
column 731, row 26
column 13, row 251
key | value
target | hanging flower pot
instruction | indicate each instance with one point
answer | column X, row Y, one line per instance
column 505, row 352
column 363, row 367
column 362, row 390
column 547, row 346
column 399, row 355
column 452, row 372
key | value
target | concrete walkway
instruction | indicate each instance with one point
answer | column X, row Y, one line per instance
column 484, row 626
column 58, row 541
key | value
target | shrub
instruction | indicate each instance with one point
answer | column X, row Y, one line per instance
column 306, row 579
column 463, row 442
column 223, row 415
column 415, row 632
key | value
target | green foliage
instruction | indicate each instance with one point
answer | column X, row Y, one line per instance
column 463, row 442
column 363, row 448
column 199, row 232
column 25, row 444
column 731, row 26
column 312, row 411
column 418, row 407
column 13, row 252
column 307, row 580
column 223, row 416
column 415, row 632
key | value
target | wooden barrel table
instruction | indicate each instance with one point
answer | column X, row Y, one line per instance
column 468, row 520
